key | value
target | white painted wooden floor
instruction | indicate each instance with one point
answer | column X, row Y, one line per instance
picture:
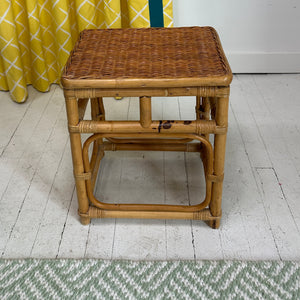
column 261, row 202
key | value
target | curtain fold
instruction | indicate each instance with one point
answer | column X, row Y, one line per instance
column 36, row 36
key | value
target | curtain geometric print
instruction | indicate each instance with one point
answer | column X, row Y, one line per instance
column 36, row 36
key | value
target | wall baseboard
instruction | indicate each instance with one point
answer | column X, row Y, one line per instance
column 260, row 62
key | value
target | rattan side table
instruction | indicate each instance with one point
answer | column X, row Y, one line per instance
column 148, row 62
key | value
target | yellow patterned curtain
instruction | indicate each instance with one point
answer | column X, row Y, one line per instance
column 36, row 36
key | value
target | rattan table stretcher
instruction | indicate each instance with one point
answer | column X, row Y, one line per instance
column 148, row 62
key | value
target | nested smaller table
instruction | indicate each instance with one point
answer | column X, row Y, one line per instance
column 145, row 63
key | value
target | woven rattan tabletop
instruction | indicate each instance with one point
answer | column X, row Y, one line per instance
column 147, row 57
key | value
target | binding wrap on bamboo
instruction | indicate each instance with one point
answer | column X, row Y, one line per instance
column 215, row 178
column 83, row 176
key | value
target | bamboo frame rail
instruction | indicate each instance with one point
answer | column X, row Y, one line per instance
column 203, row 215
column 204, row 91
column 188, row 147
column 162, row 126
column 115, row 63
column 152, row 141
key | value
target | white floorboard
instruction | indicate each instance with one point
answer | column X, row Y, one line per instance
column 261, row 207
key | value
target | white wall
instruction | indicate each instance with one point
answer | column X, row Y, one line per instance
column 257, row 35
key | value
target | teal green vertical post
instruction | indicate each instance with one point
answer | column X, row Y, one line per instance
column 156, row 13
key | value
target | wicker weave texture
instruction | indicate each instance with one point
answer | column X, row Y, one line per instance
column 148, row 53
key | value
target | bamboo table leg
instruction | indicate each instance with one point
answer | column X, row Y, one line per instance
column 219, row 160
column 76, row 149
column 205, row 112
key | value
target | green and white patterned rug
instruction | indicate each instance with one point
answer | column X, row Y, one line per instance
column 98, row 279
